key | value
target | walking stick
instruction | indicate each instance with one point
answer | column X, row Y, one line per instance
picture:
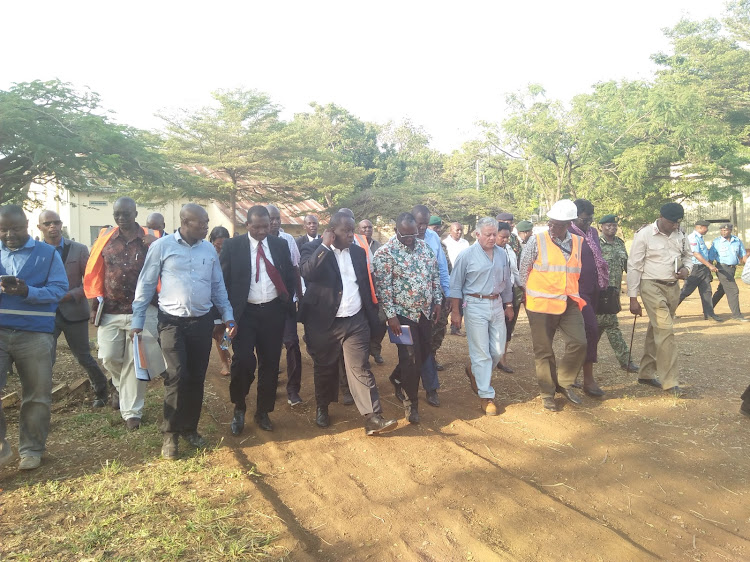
column 632, row 335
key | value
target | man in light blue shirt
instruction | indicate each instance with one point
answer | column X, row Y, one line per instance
column 482, row 277
column 701, row 275
column 728, row 252
column 191, row 284
column 430, row 367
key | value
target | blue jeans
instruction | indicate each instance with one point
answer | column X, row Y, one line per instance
column 430, row 380
column 484, row 323
column 32, row 354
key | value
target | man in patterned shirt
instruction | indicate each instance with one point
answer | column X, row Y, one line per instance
column 615, row 254
column 407, row 284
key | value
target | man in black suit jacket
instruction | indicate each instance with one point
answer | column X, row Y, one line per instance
column 311, row 232
column 338, row 312
column 260, row 293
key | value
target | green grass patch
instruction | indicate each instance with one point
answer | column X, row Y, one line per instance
column 194, row 509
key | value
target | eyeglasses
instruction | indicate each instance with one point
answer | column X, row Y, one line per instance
column 50, row 223
column 405, row 235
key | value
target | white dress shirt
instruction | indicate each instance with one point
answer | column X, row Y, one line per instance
column 455, row 247
column 351, row 301
column 264, row 290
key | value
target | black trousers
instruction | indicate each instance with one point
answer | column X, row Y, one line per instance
column 348, row 337
column 411, row 357
column 728, row 287
column 700, row 277
column 77, row 336
column 293, row 356
column 186, row 346
column 260, row 332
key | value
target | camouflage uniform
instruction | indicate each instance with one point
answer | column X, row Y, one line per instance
column 616, row 256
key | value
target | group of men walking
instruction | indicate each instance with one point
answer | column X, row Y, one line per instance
column 171, row 294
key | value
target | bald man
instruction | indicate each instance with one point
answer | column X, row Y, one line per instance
column 311, row 231
column 155, row 221
column 73, row 311
column 112, row 271
column 191, row 285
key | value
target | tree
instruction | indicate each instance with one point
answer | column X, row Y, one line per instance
column 239, row 142
column 52, row 133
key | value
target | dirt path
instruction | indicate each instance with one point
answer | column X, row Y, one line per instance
column 637, row 476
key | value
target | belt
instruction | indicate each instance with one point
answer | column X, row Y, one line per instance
column 660, row 282
column 264, row 304
column 488, row 297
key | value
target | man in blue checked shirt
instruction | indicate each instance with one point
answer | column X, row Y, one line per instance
column 728, row 252
column 191, row 284
column 702, row 273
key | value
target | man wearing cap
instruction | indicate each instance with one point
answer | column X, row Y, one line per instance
column 549, row 270
column 701, row 274
column 514, row 242
column 659, row 257
column 728, row 252
column 525, row 230
column 615, row 254
column 435, row 224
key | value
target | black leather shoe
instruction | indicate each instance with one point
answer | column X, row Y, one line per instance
column 412, row 414
column 347, row 399
column 322, row 419
column 238, row 421
column 549, row 404
column 169, row 448
column 675, row 391
column 195, row 439
column 398, row 390
column 504, row 368
column 432, row 398
column 293, row 399
column 570, row 395
column 378, row 359
column 594, row 391
column 632, row 368
column 262, row 419
column 375, row 424
column 650, row 382
column 715, row 318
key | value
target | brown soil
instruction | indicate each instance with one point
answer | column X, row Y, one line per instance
column 636, row 476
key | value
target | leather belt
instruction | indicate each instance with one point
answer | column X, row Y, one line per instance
column 660, row 282
column 488, row 297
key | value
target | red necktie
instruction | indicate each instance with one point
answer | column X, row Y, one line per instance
column 272, row 272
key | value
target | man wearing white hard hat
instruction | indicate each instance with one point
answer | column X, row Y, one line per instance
column 549, row 270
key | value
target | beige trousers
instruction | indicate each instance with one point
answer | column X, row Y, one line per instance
column 659, row 349
column 116, row 353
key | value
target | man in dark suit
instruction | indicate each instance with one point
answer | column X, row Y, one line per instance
column 338, row 313
column 311, row 231
column 73, row 311
column 259, row 278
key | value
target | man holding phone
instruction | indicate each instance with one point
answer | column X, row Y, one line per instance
column 32, row 282
column 407, row 284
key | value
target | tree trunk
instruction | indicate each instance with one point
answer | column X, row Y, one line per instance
column 233, row 205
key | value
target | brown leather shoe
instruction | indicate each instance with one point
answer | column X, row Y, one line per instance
column 488, row 406
column 472, row 380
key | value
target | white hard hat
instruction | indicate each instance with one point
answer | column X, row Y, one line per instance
column 563, row 210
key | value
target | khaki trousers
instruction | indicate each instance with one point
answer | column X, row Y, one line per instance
column 659, row 349
column 116, row 353
column 549, row 374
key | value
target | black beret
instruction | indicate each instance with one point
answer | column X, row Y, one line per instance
column 607, row 219
column 702, row 223
column 672, row 212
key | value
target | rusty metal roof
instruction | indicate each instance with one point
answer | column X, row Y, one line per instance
column 292, row 213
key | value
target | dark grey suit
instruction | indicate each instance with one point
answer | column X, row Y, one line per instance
column 260, row 327
column 329, row 336
column 73, row 315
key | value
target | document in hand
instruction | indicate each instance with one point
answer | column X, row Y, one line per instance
column 141, row 362
column 99, row 310
column 405, row 337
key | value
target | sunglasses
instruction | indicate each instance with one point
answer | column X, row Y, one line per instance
column 405, row 235
column 50, row 223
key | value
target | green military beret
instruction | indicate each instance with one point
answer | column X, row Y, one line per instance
column 434, row 220
column 607, row 219
column 524, row 226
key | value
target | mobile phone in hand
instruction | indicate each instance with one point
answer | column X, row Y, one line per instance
column 8, row 280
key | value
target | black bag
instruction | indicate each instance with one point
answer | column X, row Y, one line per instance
column 609, row 301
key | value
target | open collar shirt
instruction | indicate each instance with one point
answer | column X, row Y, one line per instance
column 655, row 256
column 475, row 273
column 727, row 252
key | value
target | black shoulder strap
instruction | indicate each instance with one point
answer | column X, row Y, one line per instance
column 565, row 251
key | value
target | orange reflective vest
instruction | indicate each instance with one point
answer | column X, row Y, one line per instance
column 362, row 240
column 93, row 277
column 553, row 278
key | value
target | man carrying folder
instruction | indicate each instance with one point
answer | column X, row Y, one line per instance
column 407, row 283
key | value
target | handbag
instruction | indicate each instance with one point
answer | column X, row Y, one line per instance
column 609, row 301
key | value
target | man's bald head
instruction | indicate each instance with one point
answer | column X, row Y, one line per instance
column 347, row 211
column 50, row 226
column 155, row 221
column 124, row 211
column 193, row 223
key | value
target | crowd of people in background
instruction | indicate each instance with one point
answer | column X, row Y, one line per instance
column 158, row 301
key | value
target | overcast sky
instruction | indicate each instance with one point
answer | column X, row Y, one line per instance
column 443, row 65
